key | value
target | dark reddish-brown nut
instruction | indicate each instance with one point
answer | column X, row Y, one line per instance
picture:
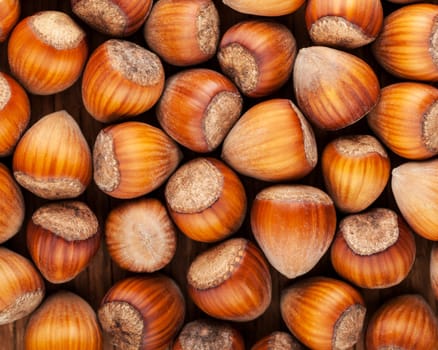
column 344, row 23
column 323, row 313
column 231, row 281
column 198, row 108
column 277, row 341
column 142, row 312
column 407, row 46
column 22, row 288
column 271, row 141
column 62, row 239
column 117, row 18
column 14, row 113
column 206, row 200
column 12, row 206
column 404, row 322
column 10, row 11
column 208, row 334
column 133, row 158
column 258, row 55
column 121, row 79
column 333, row 88
column 355, row 169
column 140, row 236
column 183, row 32
column 47, row 52
column 406, row 119
column 53, row 159
column 294, row 226
column 379, row 247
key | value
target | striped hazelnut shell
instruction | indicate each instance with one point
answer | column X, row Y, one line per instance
column 323, row 313
column 52, row 159
column 407, row 46
column 47, row 52
column 334, row 89
column 206, row 199
column 231, row 281
column 405, row 119
column 294, row 226
column 62, row 239
column 68, row 316
column 379, row 247
column 271, row 141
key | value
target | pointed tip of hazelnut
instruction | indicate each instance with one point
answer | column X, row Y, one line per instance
column 137, row 64
column 337, row 31
column 215, row 266
column 57, row 29
column 194, row 187
column 71, row 220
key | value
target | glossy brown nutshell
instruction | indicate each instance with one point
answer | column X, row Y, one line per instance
column 407, row 47
column 22, row 288
column 404, row 322
column 379, row 247
column 258, row 55
column 183, row 33
column 405, row 119
column 206, row 199
column 12, row 206
column 231, row 281
column 68, row 316
column 14, row 113
column 294, row 225
column 52, row 159
column 337, row 308
column 132, row 159
column 356, row 170
column 413, row 185
column 142, row 312
column 198, row 108
column 270, row 8
column 47, row 52
column 320, row 76
column 62, row 238
column 121, row 80
column 344, row 23
column 271, row 141
column 10, row 13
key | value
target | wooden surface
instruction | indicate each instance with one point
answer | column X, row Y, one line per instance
column 102, row 273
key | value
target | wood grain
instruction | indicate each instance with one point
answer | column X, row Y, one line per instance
column 102, row 273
